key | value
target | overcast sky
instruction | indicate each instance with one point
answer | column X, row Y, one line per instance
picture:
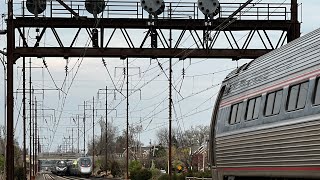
column 193, row 96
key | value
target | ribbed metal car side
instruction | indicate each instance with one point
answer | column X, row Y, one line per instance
column 285, row 144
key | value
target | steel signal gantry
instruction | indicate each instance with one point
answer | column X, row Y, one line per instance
column 200, row 29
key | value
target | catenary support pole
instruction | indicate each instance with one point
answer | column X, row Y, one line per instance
column 30, row 122
column 170, row 111
column 84, row 128
column 127, row 134
column 106, row 128
column 93, row 134
column 78, row 134
column 35, row 136
column 10, row 100
column 24, row 117
column 33, row 132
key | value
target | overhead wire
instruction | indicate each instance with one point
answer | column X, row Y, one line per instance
column 78, row 67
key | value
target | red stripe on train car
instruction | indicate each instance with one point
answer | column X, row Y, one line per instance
column 271, row 169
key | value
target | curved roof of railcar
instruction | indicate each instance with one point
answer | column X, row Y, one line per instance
column 292, row 62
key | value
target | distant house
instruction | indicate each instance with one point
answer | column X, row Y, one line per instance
column 134, row 153
column 199, row 157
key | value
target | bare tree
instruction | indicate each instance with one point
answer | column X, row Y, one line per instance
column 195, row 136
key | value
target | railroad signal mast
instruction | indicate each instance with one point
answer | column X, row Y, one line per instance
column 162, row 17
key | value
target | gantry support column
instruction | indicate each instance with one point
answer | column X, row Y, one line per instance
column 10, row 62
column 294, row 30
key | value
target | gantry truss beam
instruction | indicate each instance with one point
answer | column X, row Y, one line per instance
column 182, row 24
column 141, row 52
column 204, row 35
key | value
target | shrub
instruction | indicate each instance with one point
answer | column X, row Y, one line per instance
column 205, row 174
column 142, row 174
column 174, row 177
column 18, row 173
column 135, row 166
column 156, row 173
column 115, row 168
column 164, row 177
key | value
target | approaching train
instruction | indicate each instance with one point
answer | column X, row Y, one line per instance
column 60, row 168
column 80, row 167
column 266, row 119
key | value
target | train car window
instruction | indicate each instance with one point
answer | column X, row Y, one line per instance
column 270, row 102
column 302, row 95
column 277, row 103
column 297, row 96
column 239, row 113
column 273, row 103
column 236, row 112
column 317, row 93
column 293, row 96
column 253, row 108
column 257, row 108
column 233, row 114
column 250, row 109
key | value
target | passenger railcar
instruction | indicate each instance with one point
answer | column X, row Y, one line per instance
column 266, row 119
column 60, row 168
column 84, row 165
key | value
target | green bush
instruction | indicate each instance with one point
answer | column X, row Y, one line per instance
column 164, row 177
column 179, row 177
column 156, row 173
column 115, row 169
column 142, row 174
column 18, row 173
column 2, row 160
column 135, row 166
column 174, row 177
column 205, row 174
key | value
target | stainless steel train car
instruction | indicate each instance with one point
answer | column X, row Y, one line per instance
column 84, row 165
column 266, row 119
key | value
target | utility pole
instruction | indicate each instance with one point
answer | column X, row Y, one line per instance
column 33, row 130
column 78, row 134
column 170, row 110
column 106, row 125
column 93, row 133
column 72, row 140
column 24, row 117
column 24, row 110
column 35, row 136
column 30, row 122
column 127, row 158
column 10, row 100
column 4, row 96
column 106, row 128
column 84, row 128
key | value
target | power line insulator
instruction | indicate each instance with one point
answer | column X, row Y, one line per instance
column 95, row 38
column 154, row 40
column 104, row 63
column 66, row 68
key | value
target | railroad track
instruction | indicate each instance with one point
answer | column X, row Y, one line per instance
column 54, row 177
column 48, row 177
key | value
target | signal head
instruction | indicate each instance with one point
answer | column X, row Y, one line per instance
column 154, row 7
column 209, row 7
